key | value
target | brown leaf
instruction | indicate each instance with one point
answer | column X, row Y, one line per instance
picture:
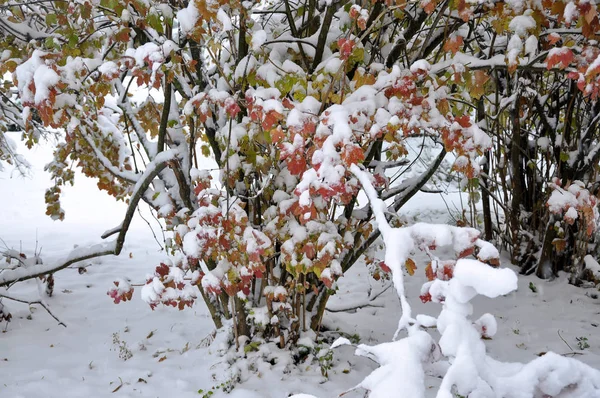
column 119, row 386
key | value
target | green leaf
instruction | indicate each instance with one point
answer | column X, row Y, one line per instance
column 564, row 157
column 73, row 40
column 110, row 4
column 51, row 19
column 155, row 23
column 251, row 347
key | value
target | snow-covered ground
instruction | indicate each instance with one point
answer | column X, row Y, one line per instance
column 169, row 354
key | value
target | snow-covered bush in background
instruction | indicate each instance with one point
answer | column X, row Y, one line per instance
column 574, row 220
column 459, row 357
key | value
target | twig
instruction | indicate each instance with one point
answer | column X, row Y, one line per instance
column 564, row 341
column 39, row 302
column 356, row 307
column 151, row 229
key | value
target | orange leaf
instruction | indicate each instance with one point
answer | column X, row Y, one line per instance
column 428, row 5
column 352, row 154
column 410, row 266
column 453, row 44
column 429, row 272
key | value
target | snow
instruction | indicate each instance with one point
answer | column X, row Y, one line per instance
column 561, row 199
column 571, row 213
column 43, row 78
column 420, row 65
column 483, row 279
column 258, row 39
column 188, row 17
column 521, row 24
column 225, row 20
column 82, row 360
column 543, row 143
column 571, row 13
column 531, row 46
column 515, row 46
column 592, row 265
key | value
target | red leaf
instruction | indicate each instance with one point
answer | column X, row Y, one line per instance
column 384, row 267
column 296, row 165
column 425, row 298
column 287, row 103
column 467, row 252
column 162, row 270
column 231, row 107
column 346, row 47
column 559, row 57
column 270, row 119
column 277, row 135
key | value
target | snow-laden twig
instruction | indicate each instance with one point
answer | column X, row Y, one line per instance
column 114, row 247
column 397, row 245
column 106, row 163
column 466, row 368
column 79, row 254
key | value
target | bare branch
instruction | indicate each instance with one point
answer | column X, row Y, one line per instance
column 103, row 249
column 38, row 302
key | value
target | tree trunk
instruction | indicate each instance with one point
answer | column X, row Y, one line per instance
column 516, row 185
column 485, row 200
column 485, row 197
column 317, row 318
column 241, row 322
column 545, row 267
column 212, row 308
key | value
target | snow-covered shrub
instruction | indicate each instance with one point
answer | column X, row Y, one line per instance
column 459, row 356
column 238, row 122
column 574, row 217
